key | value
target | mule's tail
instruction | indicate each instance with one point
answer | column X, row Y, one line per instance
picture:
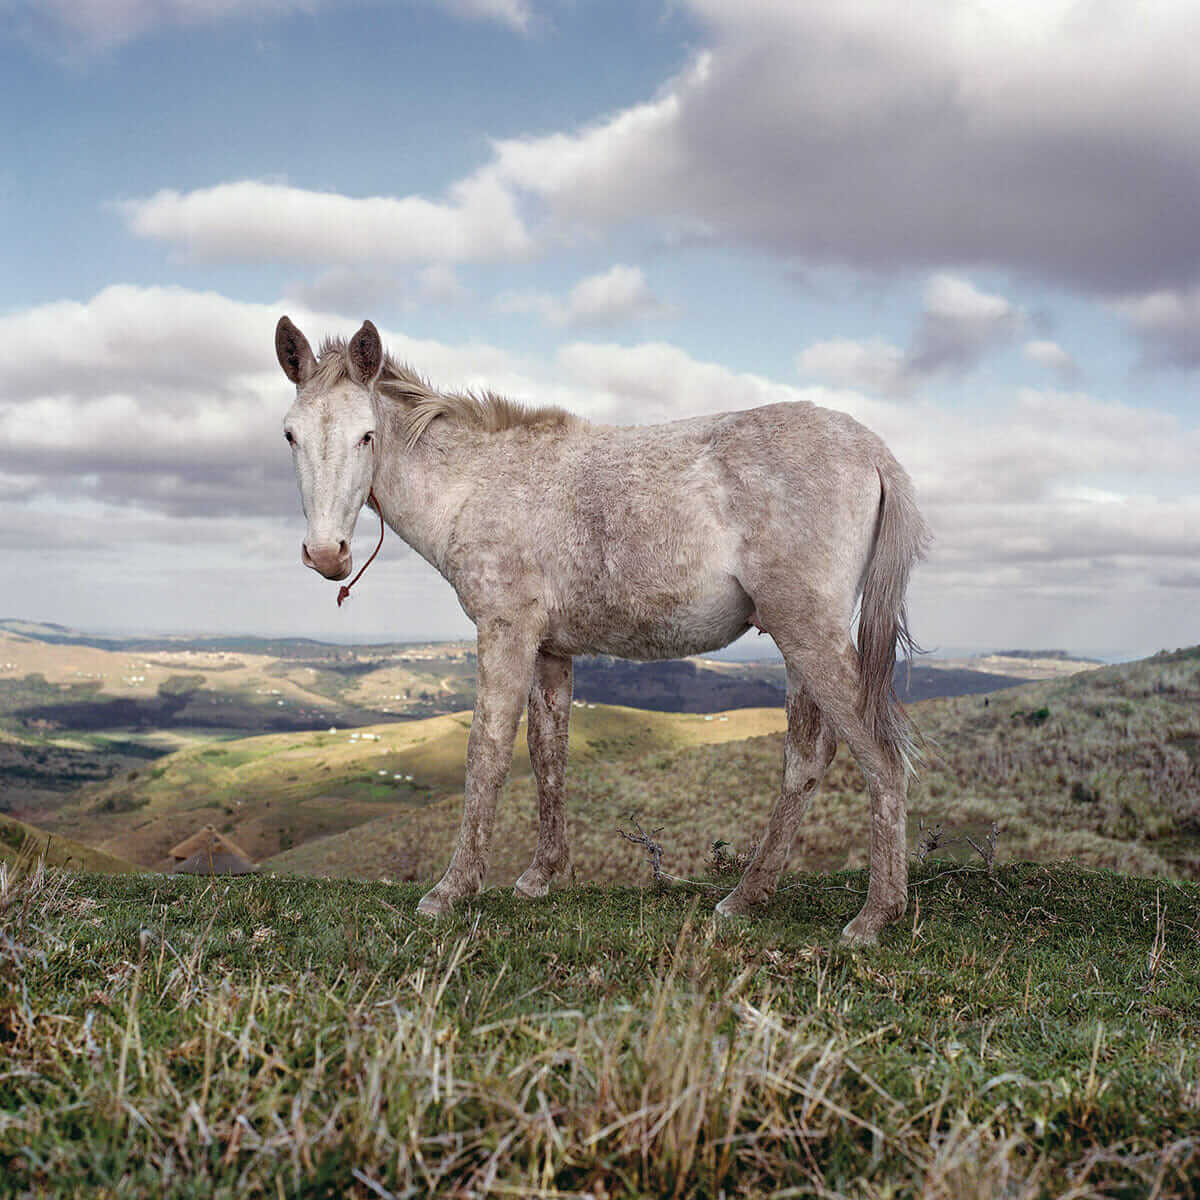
column 901, row 538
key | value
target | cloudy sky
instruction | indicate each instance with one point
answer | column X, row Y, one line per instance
column 974, row 226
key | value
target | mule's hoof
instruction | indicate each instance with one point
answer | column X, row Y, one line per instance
column 857, row 935
column 434, row 905
column 734, row 906
column 533, row 885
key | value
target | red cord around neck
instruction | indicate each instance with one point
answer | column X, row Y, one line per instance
column 344, row 590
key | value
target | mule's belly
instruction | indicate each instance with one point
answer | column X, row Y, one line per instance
column 653, row 627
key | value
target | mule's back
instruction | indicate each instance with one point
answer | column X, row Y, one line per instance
column 652, row 540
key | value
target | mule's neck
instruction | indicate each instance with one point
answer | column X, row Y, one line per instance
column 421, row 490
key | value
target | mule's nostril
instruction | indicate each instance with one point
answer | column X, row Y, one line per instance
column 331, row 559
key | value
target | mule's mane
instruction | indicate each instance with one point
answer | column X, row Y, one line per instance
column 484, row 411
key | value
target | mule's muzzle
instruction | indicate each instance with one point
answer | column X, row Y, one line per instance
column 332, row 561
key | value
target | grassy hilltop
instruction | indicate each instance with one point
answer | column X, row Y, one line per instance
column 77, row 709
column 1028, row 1032
column 1102, row 768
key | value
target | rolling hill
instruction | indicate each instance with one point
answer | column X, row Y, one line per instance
column 1101, row 767
column 54, row 680
column 73, row 712
column 277, row 791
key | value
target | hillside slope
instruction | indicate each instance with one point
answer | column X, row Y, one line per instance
column 20, row 841
column 50, row 686
column 282, row 790
column 1102, row 768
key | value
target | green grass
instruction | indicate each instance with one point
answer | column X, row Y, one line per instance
column 1031, row 1032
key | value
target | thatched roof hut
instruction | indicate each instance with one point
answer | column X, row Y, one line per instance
column 210, row 853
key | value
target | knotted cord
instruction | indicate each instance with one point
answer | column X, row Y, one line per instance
column 344, row 590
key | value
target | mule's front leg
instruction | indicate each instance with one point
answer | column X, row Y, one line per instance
column 506, row 650
column 549, row 721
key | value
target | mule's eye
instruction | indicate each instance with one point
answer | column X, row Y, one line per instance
column 366, row 439
column 287, row 437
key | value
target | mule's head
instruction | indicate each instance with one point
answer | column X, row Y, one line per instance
column 331, row 430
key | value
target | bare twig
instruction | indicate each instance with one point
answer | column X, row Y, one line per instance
column 1154, row 959
column 930, row 840
column 988, row 855
column 916, row 883
column 653, row 849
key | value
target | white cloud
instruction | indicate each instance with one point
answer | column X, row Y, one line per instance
column 655, row 381
column 439, row 283
column 160, row 336
column 1017, row 496
column 1168, row 324
column 862, row 135
column 877, row 136
column 541, row 304
column 1019, row 453
column 952, row 298
column 958, row 325
column 607, row 298
column 1051, row 356
column 251, row 221
column 874, row 365
column 144, row 406
column 354, row 289
column 365, row 290
column 170, row 400
column 613, row 295
column 516, row 14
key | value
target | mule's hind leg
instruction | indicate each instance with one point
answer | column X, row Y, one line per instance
column 549, row 720
column 807, row 751
column 829, row 667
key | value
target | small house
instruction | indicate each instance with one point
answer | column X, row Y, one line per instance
column 210, row 853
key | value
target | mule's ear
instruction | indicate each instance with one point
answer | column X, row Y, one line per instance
column 366, row 355
column 294, row 353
